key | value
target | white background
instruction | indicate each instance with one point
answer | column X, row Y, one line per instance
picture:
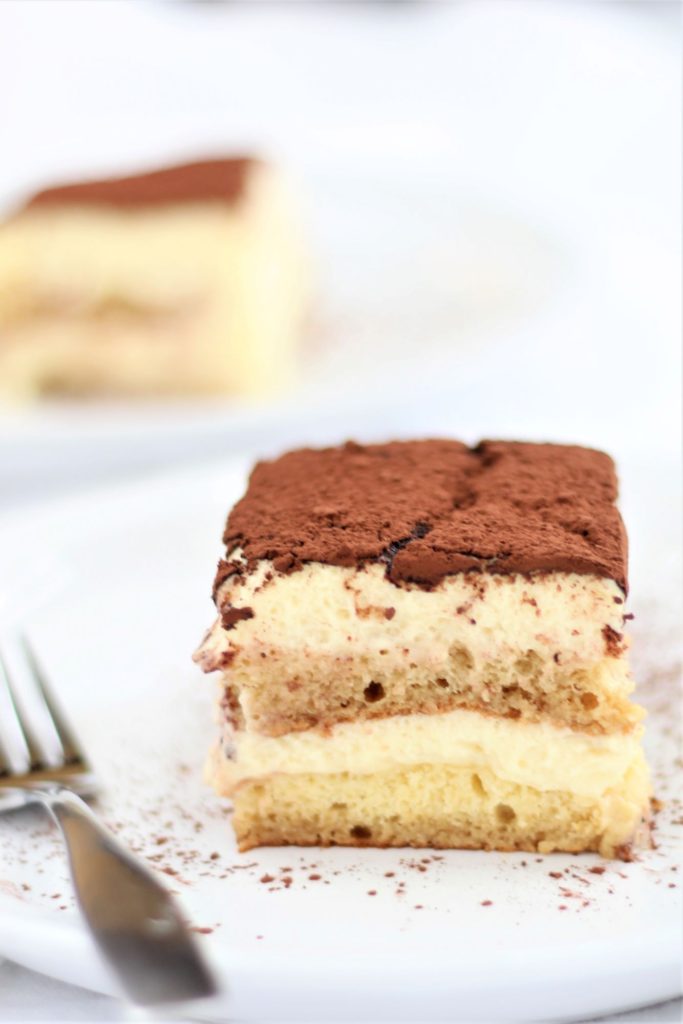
column 492, row 191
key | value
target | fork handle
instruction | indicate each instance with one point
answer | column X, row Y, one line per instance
column 133, row 920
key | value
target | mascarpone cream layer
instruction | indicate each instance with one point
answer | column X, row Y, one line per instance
column 331, row 610
column 540, row 755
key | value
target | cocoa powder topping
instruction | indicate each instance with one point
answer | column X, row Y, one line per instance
column 429, row 509
column 204, row 180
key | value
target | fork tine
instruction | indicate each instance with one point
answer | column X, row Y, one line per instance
column 43, row 745
column 72, row 752
column 5, row 766
column 5, row 760
column 15, row 755
column 36, row 758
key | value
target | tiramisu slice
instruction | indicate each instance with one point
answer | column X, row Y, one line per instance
column 422, row 645
column 190, row 279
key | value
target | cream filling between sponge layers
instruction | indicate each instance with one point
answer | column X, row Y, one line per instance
column 539, row 755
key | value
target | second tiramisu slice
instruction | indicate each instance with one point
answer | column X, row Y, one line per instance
column 186, row 279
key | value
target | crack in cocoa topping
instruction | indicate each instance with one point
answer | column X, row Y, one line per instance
column 429, row 509
column 387, row 556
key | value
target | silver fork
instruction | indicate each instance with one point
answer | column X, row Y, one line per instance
column 131, row 917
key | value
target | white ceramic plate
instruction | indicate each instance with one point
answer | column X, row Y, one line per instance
column 115, row 588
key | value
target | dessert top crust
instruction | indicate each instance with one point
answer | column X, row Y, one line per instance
column 222, row 179
column 428, row 509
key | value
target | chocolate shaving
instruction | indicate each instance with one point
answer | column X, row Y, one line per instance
column 231, row 616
